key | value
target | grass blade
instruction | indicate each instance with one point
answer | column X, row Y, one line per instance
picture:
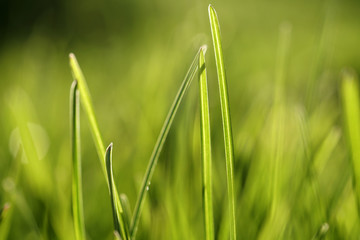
column 119, row 223
column 159, row 144
column 206, row 149
column 88, row 106
column 77, row 199
column 350, row 99
column 127, row 210
column 225, row 112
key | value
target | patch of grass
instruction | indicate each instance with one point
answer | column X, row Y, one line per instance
column 287, row 170
column 119, row 221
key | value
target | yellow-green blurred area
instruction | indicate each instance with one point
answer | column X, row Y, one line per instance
column 134, row 55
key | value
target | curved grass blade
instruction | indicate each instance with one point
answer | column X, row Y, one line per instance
column 225, row 112
column 119, row 223
column 77, row 199
column 85, row 96
column 159, row 144
column 88, row 106
column 206, row 149
column 350, row 99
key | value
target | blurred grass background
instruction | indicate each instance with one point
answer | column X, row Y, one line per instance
column 134, row 55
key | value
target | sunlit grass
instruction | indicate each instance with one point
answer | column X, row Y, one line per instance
column 206, row 149
column 295, row 127
column 119, row 221
column 226, row 117
column 350, row 97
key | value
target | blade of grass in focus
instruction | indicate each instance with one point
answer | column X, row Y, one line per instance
column 225, row 111
column 206, row 149
column 77, row 200
column 350, row 99
column 119, row 223
column 88, row 106
column 159, row 144
column 86, row 100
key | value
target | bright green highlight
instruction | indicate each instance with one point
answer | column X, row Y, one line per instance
column 206, row 149
column 226, row 120
column 350, row 97
column 88, row 107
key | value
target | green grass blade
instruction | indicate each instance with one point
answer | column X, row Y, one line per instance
column 206, row 149
column 119, row 223
column 127, row 210
column 88, row 106
column 225, row 111
column 350, row 97
column 77, row 200
column 159, row 144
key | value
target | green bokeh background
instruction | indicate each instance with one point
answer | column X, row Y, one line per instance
column 134, row 55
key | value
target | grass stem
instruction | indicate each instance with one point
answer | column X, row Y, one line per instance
column 77, row 199
column 226, row 119
column 206, row 149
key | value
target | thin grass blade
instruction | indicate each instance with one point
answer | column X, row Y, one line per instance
column 127, row 210
column 77, row 199
column 225, row 111
column 119, row 223
column 350, row 99
column 88, row 106
column 159, row 144
column 206, row 149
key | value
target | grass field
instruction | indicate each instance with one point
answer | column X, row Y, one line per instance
column 286, row 165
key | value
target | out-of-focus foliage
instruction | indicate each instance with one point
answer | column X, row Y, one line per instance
column 134, row 55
